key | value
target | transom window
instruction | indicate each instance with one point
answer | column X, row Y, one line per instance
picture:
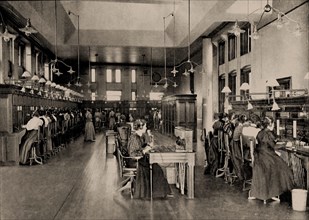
column 113, row 95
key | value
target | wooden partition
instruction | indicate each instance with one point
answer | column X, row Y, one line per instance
column 16, row 108
column 293, row 114
column 179, row 111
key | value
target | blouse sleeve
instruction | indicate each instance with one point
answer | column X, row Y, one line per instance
column 135, row 146
column 271, row 140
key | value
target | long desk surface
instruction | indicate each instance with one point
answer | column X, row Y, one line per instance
column 180, row 158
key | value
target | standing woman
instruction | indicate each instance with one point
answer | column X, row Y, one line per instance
column 89, row 128
column 271, row 175
column 137, row 147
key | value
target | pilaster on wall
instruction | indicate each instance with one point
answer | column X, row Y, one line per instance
column 207, row 79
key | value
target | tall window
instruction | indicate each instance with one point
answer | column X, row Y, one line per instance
column 133, row 95
column 93, row 75
column 133, row 76
column 93, row 96
column 232, row 46
column 221, row 95
column 221, row 52
column 245, row 42
column 108, row 75
column 245, row 75
column 232, row 83
column 113, row 95
column 118, row 76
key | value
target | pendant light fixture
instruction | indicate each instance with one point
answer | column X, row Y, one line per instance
column 78, row 83
column 7, row 36
column 55, row 63
column 189, row 68
column 282, row 19
column 28, row 29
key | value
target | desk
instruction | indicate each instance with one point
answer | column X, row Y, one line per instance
column 296, row 158
column 110, row 141
column 181, row 158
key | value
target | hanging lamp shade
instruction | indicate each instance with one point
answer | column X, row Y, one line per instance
column 71, row 71
column 255, row 34
column 26, row 74
column 272, row 83
column 174, row 71
column 236, row 30
column 275, row 106
column 48, row 83
column 186, row 73
column 35, row 78
column 226, row 89
column 7, row 36
column 250, row 106
column 244, row 86
column 42, row 80
column 28, row 29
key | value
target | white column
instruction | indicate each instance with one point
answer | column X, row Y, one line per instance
column 207, row 81
column 1, row 61
column 238, row 65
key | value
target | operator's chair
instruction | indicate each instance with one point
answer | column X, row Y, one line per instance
column 33, row 151
column 247, row 159
column 129, row 173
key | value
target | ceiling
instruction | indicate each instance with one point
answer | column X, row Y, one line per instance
column 121, row 31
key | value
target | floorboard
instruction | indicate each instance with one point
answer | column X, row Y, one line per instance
column 81, row 181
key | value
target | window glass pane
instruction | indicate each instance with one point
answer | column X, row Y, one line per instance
column 232, row 83
column 221, row 95
column 221, row 52
column 108, row 75
column 133, row 76
column 92, row 75
column 93, row 96
column 245, row 40
column 113, row 95
column 245, row 78
column 156, row 95
column 118, row 75
column 232, row 46
column 133, row 96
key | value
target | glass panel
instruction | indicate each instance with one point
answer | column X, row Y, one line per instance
column 133, row 96
column 108, row 75
column 133, row 76
column 221, row 52
column 232, row 46
column 118, row 75
column 93, row 75
column 113, row 95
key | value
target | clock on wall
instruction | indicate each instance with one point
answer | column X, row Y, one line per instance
column 156, row 77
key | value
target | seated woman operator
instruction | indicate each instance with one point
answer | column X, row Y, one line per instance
column 137, row 147
column 32, row 128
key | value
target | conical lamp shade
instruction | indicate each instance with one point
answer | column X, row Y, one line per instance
column 226, row 89
column 275, row 106
column 249, row 106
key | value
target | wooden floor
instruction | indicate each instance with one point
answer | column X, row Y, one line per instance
column 81, row 182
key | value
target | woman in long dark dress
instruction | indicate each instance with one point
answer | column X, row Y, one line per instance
column 271, row 175
column 137, row 147
column 89, row 128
